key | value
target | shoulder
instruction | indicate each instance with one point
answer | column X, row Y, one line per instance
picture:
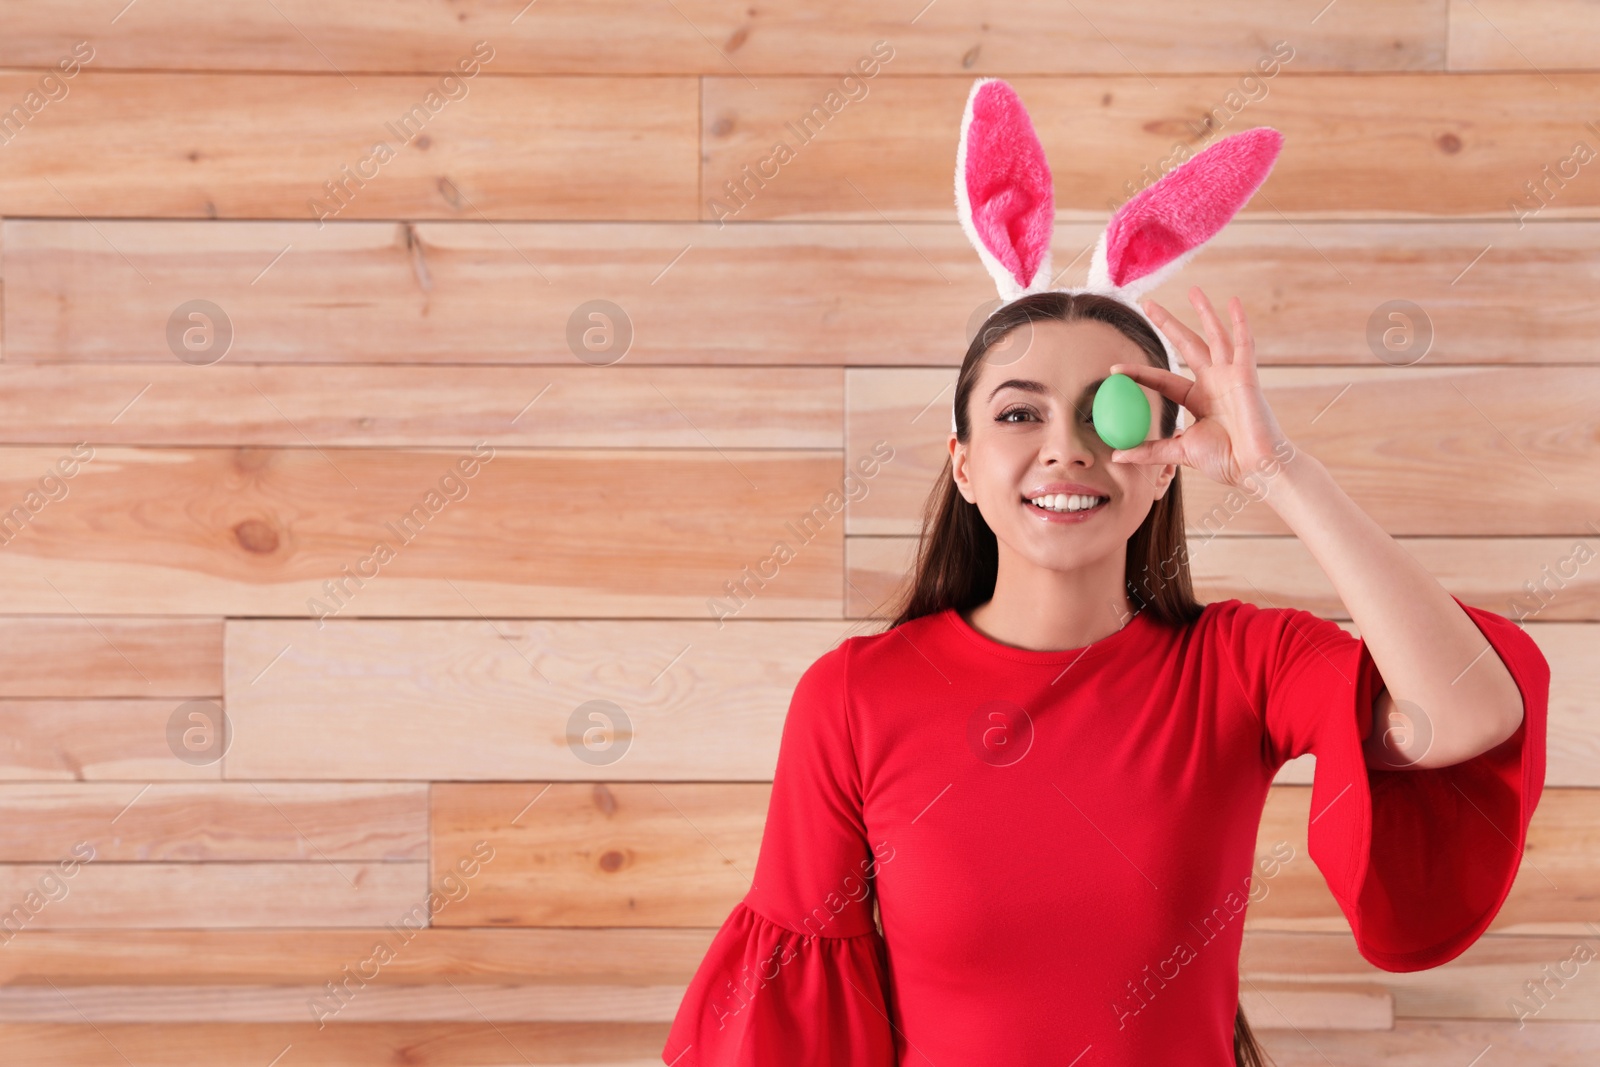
column 1249, row 637
column 828, row 673
column 1239, row 622
column 1223, row 615
column 895, row 660
column 1221, row 627
column 878, row 659
column 1271, row 640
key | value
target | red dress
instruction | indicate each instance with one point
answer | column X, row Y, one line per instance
column 1063, row 843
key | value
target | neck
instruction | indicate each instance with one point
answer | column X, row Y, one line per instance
column 1048, row 610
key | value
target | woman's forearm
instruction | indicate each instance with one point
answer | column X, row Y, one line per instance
column 1430, row 653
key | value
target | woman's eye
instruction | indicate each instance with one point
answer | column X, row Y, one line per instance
column 1005, row 416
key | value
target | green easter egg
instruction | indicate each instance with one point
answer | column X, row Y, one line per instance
column 1121, row 412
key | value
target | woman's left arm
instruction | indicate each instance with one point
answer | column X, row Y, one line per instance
column 1433, row 658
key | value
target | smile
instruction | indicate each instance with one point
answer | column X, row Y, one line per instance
column 1066, row 507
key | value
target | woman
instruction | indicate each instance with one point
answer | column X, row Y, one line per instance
column 1048, row 774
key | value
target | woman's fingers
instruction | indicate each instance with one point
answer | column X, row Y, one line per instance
column 1244, row 342
column 1221, row 345
column 1172, row 386
column 1156, row 450
column 1191, row 344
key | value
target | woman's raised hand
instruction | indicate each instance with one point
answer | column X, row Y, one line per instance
column 1234, row 432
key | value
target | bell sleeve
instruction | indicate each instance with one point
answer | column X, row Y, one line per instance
column 1419, row 859
column 797, row 975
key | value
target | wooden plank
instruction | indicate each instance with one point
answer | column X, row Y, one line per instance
column 1573, row 745
column 411, row 1003
column 485, row 699
column 155, row 895
column 384, row 1044
column 1494, row 573
column 1300, row 1007
column 1418, row 448
column 1435, row 1043
column 586, row 957
column 1485, row 982
column 703, row 37
column 73, row 656
column 1311, row 1006
column 1545, row 36
column 638, row 975
column 1315, row 291
column 397, row 407
column 877, row 572
column 682, row 854
column 1430, row 163
column 277, row 145
column 291, row 532
column 375, row 292
column 1378, row 145
column 1410, row 1044
column 232, row 821
column 393, row 292
column 598, row 854
column 85, row 740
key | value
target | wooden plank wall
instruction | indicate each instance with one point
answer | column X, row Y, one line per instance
column 243, row 343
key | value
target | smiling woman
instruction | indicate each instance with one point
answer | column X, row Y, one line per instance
column 1069, row 754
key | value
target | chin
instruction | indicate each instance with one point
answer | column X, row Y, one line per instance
column 1058, row 556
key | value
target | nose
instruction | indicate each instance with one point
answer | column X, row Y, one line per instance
column 1070, row 441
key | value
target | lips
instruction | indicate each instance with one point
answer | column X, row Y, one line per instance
column 1060, row 494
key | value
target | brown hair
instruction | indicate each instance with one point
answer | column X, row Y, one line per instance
column 958, row 557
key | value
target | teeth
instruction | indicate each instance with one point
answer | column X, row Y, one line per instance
column 1066, row 502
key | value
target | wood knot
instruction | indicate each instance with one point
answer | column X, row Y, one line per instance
column 605, row 799
column 611, row 860
column 256, row 536
column 1449, row 144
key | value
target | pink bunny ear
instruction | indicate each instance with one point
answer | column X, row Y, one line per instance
column 1164, row 226
column 1004, row 196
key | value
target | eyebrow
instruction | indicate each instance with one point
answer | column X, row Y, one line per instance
column 1029, row 385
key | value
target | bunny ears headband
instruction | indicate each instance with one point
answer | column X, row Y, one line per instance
column 1006, row 203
